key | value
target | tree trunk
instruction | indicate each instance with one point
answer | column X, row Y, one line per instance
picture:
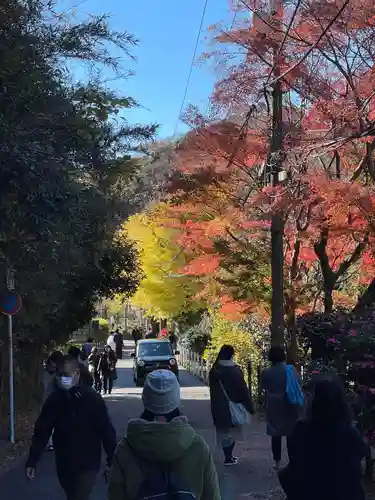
column 328, row 300
column 329, row 276
column 292, row 349
column 290, row 315
column 277, row 269
column 275, row 161
column 290, row 306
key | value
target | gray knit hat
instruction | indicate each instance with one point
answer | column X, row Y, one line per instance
column 161, row 393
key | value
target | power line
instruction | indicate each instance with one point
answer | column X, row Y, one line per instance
column 191, row 66
column 323, row 34
column 286, row 34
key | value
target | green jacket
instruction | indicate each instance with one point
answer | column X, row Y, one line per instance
column 176, row 443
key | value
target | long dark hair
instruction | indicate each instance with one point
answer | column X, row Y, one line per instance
column 329, row 403
column 276, row 355
column 53, row 360
column 55, row 357
column 225, row 354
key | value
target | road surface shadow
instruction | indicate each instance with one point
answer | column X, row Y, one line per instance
column 253, row 473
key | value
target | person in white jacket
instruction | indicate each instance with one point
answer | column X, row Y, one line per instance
column 111, row 341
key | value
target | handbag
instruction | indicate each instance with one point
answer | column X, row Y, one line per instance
column 113, row 374
column 238, row 413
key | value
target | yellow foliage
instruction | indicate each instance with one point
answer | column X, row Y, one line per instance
column 227, row 332
column 115, row 306
column 163, row 292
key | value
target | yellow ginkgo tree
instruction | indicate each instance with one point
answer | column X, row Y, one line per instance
column 164, row 291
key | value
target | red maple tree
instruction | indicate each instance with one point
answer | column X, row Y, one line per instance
column 326, row 56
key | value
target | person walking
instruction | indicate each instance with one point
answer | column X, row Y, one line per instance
column 119, row 343
column 85, row 376
column 87, row 348
column 110, row 340
column 227, row 387
column 81, row 426
column 173, row 340
column 150, row 333
column 325, row 450
column 136, row 335
column 161, row 455
column 49, row 382
column 94, row 359
column 281, row 413
column 107, row 369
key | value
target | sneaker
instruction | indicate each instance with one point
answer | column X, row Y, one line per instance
column 50, row 447
column 231, row 461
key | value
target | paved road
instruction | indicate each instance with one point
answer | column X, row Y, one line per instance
column 253, row 473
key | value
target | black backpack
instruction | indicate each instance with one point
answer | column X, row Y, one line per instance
column 160, row 484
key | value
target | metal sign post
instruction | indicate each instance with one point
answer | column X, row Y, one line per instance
column 11, row 285
column 11, row 378
column 11, row 304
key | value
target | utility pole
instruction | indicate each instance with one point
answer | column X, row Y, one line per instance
column 275, row 169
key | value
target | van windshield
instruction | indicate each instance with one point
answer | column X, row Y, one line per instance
column 155, row 349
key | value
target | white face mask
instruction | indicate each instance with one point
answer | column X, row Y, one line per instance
column 66, row 383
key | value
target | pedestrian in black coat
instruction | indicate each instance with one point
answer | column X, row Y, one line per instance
column 325, row 450
column 81, row 424
column 93, row 360
column 119, row 341
column 137, row 335
column 226, row 380
column 107, row 369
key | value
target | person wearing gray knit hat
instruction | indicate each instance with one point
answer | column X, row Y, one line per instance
column 163, row 440
column 161, row 392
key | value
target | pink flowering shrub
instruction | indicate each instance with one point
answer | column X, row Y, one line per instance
column 339, row 345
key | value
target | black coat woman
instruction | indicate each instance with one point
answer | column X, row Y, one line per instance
column 227, row 384
column 94, row 359
column 107, row 369
column 325, row 450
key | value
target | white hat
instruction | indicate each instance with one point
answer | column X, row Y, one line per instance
column 161, row 393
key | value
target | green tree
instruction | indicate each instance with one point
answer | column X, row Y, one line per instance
column 64, row 162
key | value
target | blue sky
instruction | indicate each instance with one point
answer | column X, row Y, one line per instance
column 167, row 31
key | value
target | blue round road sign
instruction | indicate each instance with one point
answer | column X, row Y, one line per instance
column 10, row 303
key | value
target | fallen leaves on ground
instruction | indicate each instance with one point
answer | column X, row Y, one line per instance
column 24, row 429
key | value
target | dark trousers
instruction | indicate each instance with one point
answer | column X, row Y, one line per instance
column 97, row 382
column 228, row 451
column 119, row 352
column 276, row 447
column 77, row 486
column 107, row 383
